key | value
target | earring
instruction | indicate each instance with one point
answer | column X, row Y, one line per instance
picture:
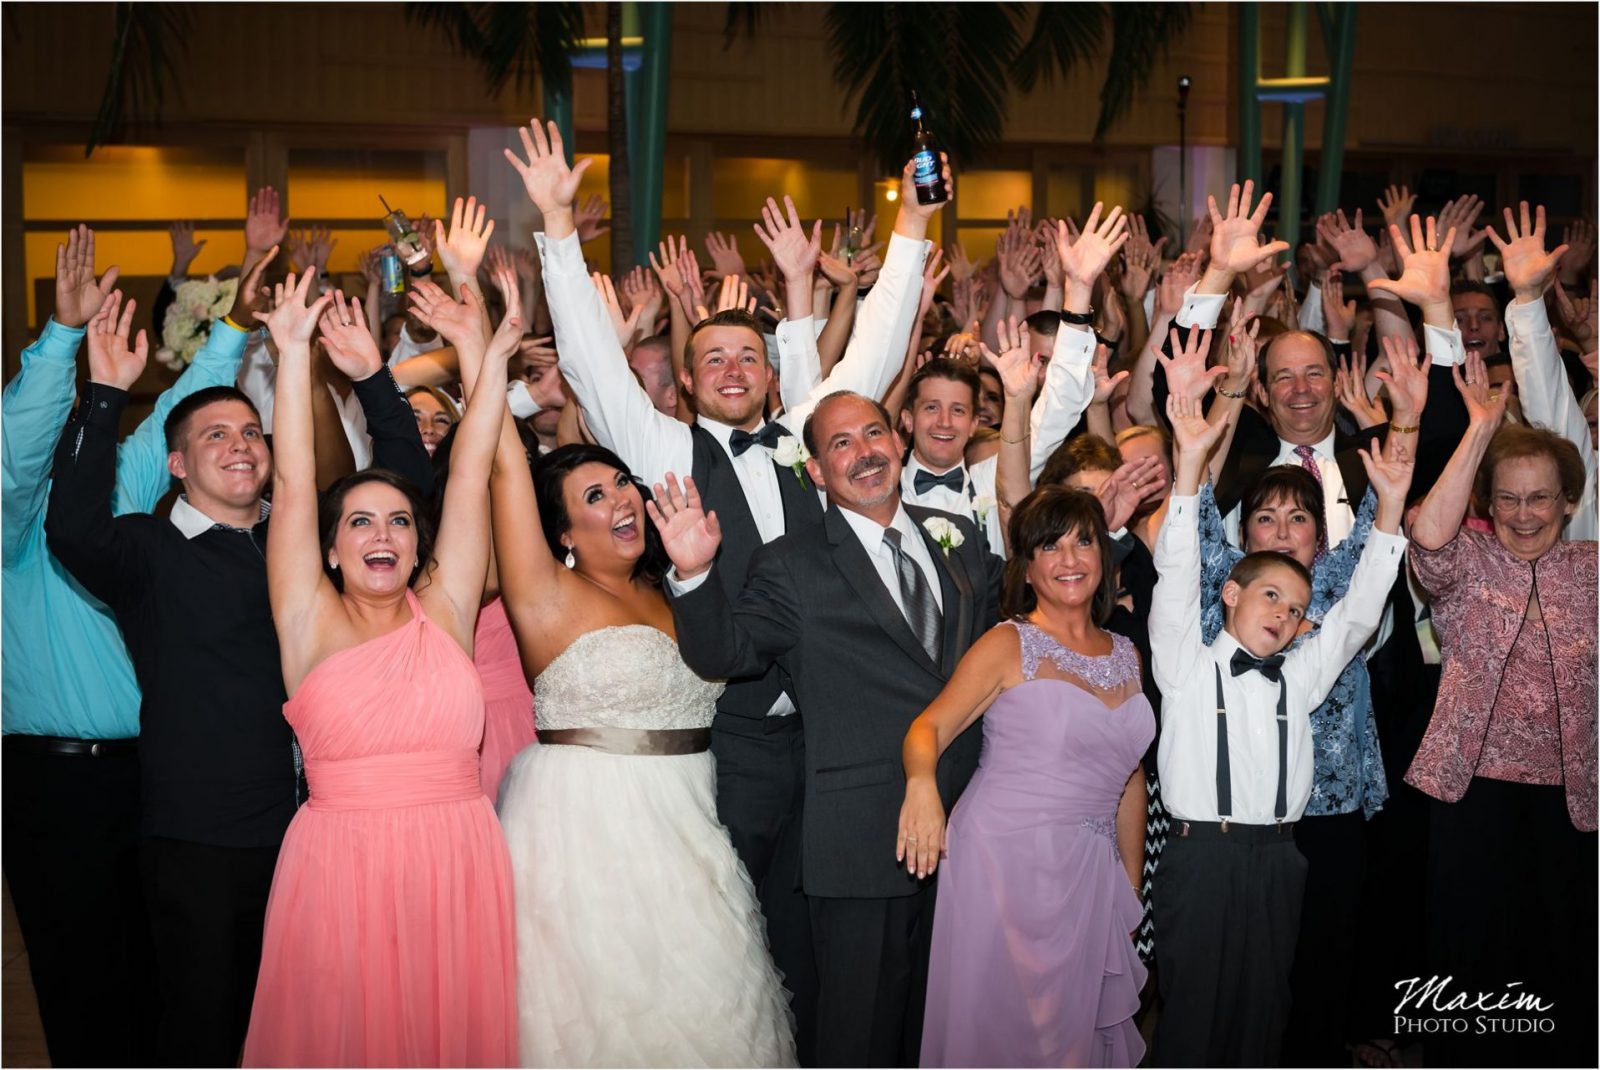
column 572, row 561
column 334, row 565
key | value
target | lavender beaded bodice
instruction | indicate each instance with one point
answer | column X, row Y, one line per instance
column 1106, row 672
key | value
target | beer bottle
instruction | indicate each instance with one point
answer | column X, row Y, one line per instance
column 927, row 169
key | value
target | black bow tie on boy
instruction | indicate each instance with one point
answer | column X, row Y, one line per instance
column 740, row 441
column 925, row 481
column 1243, row 661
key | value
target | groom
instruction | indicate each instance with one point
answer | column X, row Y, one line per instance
column 868, row 614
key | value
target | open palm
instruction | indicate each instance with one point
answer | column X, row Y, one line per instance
column 551, row 185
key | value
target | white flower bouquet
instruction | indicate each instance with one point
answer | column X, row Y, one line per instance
column 198, row 303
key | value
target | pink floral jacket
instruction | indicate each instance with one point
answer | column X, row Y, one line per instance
column 1480, row 595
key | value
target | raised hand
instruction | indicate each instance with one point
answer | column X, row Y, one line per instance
column 1105, row 384
column 184, row 247
column 1578, row 237
column 1235, row 247
column 735, row 293
column 1350, row 390
column 909, row 205
column 793, row 252
column 643, row 293
column 1021, row 370
column 694, row 287
column 1123, row 490
column 1239, row 349
column 1182, row 274
column 1485, row 406
column 589, row 216
column 551, row 185
column 1020, row 262
column 1339, row 313
column 666, row 267
column 1458, row 216
column 1199, row 241
column 836, row 271
column 462, row 249
column 263, row 228
column 1389, row 472
column 1406, row 379
column 1580, row 314
column 932, row 277
column 1261, row 283
column 961, row 268
column 507, row 337
column 1084, row 259
column 459, row 322
column 1425, row 268
column 690, row 535
column 868, row 263
column 78, row 296
column 1191, row 433
column 367, row 264
column 111, row 360
column 724, row 252
column 1529, row 269
column 1140, row 259
column 1186, row 369
column 624, row 324
column 1355, row 248
column 1395, row 204
column 293, row 321
column 348, row 338
column 249, row 296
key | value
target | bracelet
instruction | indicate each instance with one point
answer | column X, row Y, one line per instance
column 229, row 320
column 1398, row 430
column 1225, row 392
column 427, row 270
column 1014, row 441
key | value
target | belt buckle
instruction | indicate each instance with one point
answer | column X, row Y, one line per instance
column 94, row 750
column 1224, row 825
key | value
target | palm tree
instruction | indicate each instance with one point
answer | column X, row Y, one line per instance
column 617, row 141
column 141, row 66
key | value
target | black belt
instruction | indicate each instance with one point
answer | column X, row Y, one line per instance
column 1234, row 832
column 61, row 747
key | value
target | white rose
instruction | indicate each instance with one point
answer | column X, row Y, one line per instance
column 946, row 534
column 790, row 451
column 982, row 504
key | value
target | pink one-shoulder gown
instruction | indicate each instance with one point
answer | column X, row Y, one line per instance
column 390, row 937
column 507, row 701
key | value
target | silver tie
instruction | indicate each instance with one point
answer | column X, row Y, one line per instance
column 922, row 612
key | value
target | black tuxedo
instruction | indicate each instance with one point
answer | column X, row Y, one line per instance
column 815, row 605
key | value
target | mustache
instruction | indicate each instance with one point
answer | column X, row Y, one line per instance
column 867, row 466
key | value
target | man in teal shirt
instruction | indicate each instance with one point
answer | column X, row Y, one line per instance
column 70, row 701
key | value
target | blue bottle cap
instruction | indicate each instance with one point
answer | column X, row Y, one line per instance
column 916, row 113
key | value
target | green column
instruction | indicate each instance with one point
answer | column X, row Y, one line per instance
column 1341, row 47
column 648, row 125
column 1294, row 117
column 1249, row 162
column 558, row 108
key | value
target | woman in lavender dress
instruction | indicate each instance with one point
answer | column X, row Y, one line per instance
column 1033, row 962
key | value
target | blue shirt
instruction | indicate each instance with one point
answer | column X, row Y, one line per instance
column 66, row 671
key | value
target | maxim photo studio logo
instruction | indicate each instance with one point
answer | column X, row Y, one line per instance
column 1435, row 1006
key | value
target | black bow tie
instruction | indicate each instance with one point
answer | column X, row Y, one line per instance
column 768, row 436
column 1243, row 661
column 925, row 481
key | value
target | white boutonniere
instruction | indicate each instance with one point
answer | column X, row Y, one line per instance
column 792, row 453
column 981, row 506
column 946, row 534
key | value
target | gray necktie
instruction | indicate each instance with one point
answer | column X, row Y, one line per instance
column 922, row 612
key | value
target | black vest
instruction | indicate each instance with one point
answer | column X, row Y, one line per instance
column 721, row 491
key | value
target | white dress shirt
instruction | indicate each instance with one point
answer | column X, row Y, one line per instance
column 870, row 532
column 757, row 478
column 1337, row 508
column 975, row 499
column 1547, row 399
column 1185, row 670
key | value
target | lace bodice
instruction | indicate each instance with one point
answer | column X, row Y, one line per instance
column 623, row 676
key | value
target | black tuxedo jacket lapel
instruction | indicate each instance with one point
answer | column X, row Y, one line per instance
column 850, row 557
column 957, row 588
column 801, row 505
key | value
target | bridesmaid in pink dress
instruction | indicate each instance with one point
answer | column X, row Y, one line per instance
column 390, row 929
column 507, row 701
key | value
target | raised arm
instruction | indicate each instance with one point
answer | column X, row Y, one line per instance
column 841, row 310
column 1443, row 510
column 462, row 248
column 618, row 411
column 1021, row 372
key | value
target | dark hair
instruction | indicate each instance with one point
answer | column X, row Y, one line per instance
column 1047, row 514
column 1518, row 441
column 1470, row 286
column 809, row 438
column 1250, row 567
column 441, row 459
column 732, row 317
column 1277, row 339
column 177, row 423
column 1044, row 322
column 1283, row 481
column 549, row 479
column 330, row 508
column 956, row 371
column 1086, row 453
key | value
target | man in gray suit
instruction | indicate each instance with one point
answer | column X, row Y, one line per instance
column 868, row 614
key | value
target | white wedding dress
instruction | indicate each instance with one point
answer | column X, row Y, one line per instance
column 639, row 939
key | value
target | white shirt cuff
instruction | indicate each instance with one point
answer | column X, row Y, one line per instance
column 1444, row 346
column 1199, row 310
column 1074, row 345
column 678, row 586
column 520, row 401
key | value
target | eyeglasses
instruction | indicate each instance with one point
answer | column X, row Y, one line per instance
column 1540, row 501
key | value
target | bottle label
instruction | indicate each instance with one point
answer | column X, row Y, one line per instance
column 925, row 168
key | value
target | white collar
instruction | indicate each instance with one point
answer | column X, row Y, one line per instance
column 870, row 532
column 1324, row 449
column 722, row 432
column 192, row 522
column 915, row 465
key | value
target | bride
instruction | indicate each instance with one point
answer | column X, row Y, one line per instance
column 639, row 941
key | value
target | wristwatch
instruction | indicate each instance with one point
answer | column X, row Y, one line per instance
column 1078, row 319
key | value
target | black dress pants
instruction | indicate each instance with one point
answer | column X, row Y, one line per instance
column 872, row 967
column 1335, row 850
column 761, row 765
column 207, row 907
column 1229, row 918
column 1511, row 901
column 71, row 859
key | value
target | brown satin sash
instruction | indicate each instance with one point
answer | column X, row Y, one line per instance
column 632, row 741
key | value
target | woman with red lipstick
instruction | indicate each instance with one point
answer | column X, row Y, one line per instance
column 389, row 929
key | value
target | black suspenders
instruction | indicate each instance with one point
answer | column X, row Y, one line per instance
column 1280, row 807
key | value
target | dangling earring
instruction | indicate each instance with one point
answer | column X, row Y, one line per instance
column 572, row 561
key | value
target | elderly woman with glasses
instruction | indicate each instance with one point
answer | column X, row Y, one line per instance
column 1509, row 755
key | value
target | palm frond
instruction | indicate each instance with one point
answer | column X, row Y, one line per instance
column 744, row 18
column 1139, row 33
column 1063, row 36
column 955, row 56
column 141, row 67
column 510, row 42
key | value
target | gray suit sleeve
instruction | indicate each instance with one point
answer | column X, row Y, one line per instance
column 719, row 640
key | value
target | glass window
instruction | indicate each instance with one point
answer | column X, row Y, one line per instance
column 740, row 185
column 991, row 194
